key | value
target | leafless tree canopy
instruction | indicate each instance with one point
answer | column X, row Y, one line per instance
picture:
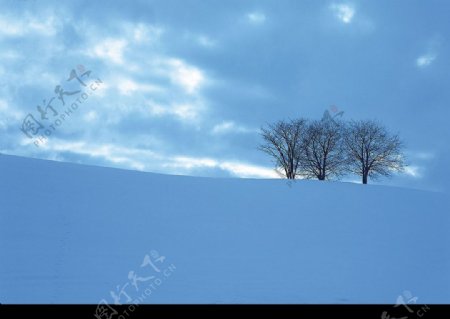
column 282, row 141
column 371, row 150
column 328, row 148
column 322, row 152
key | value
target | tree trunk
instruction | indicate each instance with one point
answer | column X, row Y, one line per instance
column 364, row 178
column 290, row 175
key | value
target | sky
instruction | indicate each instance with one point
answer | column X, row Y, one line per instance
column 183, row 87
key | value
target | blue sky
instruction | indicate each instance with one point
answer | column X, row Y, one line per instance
column 186, row 85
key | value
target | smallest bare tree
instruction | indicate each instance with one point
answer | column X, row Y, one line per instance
column 371, row 151
column 282, row 141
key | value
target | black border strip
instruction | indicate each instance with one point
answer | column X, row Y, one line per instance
column 212, row 311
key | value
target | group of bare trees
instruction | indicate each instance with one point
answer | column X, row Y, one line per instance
column 329, row 149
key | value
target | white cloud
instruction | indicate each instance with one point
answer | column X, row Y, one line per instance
column 413, row 171
column 344, row 12
column 139, row 67
column 199, row 39
column 146, row 33
column 129, row 39
column 114, row 154
column 425, row 60
column 248, row 171
column 147, row 160
column 230, row 127
column 18, row 27
column 223, row 127
column 11, row 28
column 421, row 155
column 91, row 116
column 157, row 109
column 184, row 111
column 192, row 162
column 430, row 52
column 256, row 18
column 237, row 169
column 45, row 27
column 128, row 87
column 110, row 50
column 205, row 41
column 3, row 106
column 188, row 77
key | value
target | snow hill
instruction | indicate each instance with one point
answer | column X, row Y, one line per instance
column 71, row 233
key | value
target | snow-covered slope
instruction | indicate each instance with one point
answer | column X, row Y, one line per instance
column 72, row 233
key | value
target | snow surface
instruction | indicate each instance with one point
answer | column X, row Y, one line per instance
column 72, row 233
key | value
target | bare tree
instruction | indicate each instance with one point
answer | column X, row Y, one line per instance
column 371, row 151
column 323, row 156
column 282, row 141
